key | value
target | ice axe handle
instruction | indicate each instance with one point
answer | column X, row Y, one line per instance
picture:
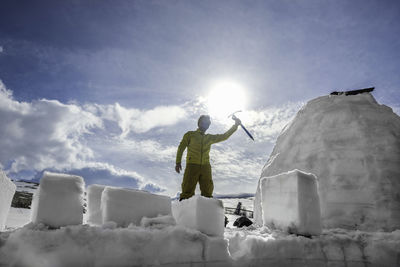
column 234, row 117
column 247, row 132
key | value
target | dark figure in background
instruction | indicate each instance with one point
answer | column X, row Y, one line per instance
column 238, row 208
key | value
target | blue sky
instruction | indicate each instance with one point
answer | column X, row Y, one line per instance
column 106, row 89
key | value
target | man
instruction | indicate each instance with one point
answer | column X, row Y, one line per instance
column 198, row 168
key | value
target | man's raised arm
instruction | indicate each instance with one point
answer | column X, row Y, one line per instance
column 222, row 137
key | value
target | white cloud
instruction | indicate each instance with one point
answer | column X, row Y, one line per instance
column 1, row 49
column 138, row 121
column 234, row 170
column 42, row 133
column 112, row 169
column 148, row 149
column 47, row 134
column 159, row 116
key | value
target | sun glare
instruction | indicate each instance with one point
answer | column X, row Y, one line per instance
column 225, row 97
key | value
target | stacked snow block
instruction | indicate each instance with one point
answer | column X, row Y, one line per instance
column 94, row 214
column 203, row 214
column 7, row 191
column 58, row 200
column 290, row 202
column 125, row 206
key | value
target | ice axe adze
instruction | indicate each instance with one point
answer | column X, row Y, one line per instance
column 234, row 117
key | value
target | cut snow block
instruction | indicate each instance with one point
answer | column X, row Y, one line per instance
column 203, row 214
column 290, row 202
column 7, row 191
column 94, row 215
column 125, row 206
column 58, row 200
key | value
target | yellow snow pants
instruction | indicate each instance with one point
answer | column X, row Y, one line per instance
column 197, row 173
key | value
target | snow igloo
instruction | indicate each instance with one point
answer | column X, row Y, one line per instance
column 351, row 143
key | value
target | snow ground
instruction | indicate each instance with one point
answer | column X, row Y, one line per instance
column 17, row 218
column 107, row 245
column 84, row 245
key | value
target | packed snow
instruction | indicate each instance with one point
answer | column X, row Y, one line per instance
column 17, row 217
column 94, row 214
column 59, row 200
column 352, row 144
column 200, row 213
column 159, row 241
column 125, row 206
column 7, row 190
column 290, row 202
column 169, row 245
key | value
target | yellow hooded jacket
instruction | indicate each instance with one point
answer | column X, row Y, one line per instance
column 199, row 144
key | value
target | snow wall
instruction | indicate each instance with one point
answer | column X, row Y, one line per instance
column 352, row 144
column 7, row 191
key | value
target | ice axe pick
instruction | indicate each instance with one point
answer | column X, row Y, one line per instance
column 234, row 117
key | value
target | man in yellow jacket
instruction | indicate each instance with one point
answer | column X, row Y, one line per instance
column 198, row 168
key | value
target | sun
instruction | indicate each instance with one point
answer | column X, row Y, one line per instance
column 224, row 98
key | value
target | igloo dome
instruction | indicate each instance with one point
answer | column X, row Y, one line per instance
column 352, row 144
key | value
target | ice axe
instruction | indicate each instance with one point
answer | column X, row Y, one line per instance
column 234, row 117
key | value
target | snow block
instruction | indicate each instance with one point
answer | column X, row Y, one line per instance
column 290, row 202
column 125, row 206
column 203, row 214
column 7, row 191
column 94, row 193
column 58, row 200
column 216, row 249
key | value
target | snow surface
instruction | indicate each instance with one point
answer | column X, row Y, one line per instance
column 200, row 213
column 335, row 247
column 7, row 191
column 352, row 144
column 167, row 245
column 59, row 200
column 159, row 242
column 18, row 217
column 94, row 214
column 125, row 206
column 290, row 202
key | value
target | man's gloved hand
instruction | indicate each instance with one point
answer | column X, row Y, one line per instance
column 237, row 121
column 178, row 167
